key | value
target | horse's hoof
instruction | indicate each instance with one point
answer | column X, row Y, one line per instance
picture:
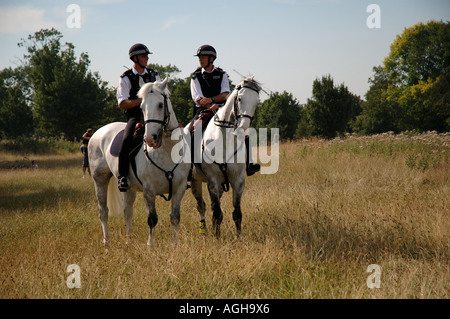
column 203, row 227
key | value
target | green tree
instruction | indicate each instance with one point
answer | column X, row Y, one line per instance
column 426, row 105
column 378, row 113
column 304, row 127
column 181, row 99
column 111, row 111
column 420, row 53
column 16, row 117
column 166, row 71
column 280, row 110
column 331, row 107
column 66, row 96
column 411, row 90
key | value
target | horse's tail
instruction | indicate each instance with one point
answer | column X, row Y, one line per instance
column 115, row 198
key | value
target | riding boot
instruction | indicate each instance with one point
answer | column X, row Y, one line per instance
column 124, row 161
column 250, row 167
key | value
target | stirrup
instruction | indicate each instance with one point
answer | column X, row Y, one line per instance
column 252, row 169
column 123, row 184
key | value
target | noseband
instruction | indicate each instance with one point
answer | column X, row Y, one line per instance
column 237, row 113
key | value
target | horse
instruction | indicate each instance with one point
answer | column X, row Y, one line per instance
column 154, row 172
column 227, row 127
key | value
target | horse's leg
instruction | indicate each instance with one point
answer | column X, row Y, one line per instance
column 129, row 199
column 175, row 215
column 196, row 186
column 238, row 189
column 152, row 217
column 101, row 190
column 214, row 193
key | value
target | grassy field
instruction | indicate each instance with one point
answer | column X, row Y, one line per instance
column 309, row 231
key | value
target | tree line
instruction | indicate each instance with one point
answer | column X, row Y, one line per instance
column 53, row 93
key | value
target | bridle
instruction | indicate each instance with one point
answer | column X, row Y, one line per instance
column 165, row 121
column 237, row 114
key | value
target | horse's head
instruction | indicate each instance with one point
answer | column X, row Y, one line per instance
column 157, row 111
column 245, row 101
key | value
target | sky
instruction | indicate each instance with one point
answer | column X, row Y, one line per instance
column 285, row 44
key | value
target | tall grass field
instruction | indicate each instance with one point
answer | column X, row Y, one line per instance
column 309, row 231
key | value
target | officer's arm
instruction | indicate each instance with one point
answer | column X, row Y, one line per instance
column 225, row 90
column 128, row 104
column 123, row 94
column 222, row 97
column 196, row 91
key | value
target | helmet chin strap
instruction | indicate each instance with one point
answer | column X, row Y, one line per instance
column 209, row 62
column 138, row 63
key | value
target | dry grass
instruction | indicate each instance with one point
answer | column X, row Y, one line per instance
column 309, row 231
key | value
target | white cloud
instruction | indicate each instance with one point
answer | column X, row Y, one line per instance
column 169, row 23
column 23, row 19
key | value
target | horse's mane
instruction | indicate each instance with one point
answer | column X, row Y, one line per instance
column 147, row 87
column 251, row 82
column 228, row 114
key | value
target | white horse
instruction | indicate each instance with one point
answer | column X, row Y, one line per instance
column 155, row 173
column 223, row 138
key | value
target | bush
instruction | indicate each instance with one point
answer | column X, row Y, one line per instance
column 41, row 145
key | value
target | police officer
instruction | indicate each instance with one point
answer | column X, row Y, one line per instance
column 209, row 85
column 129, row 84
column 209, row 90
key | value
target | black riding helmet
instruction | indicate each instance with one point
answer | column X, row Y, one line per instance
column 207, row 50
column 136, row 50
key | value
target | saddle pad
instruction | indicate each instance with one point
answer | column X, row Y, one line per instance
column 116, row 144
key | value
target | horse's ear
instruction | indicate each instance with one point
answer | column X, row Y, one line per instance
column 163, row 84
column 252, row 78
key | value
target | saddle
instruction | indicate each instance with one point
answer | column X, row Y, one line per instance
column 138, row 139
column 203, row 119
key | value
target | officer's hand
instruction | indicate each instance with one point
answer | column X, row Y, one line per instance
column 204, row 101
column 213, row 107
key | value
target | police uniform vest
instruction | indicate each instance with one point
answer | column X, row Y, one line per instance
column 211, row 83
column 150, row 76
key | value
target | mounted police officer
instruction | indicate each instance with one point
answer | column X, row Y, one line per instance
column 209, row 90
column 209, row 85
column 129, row 85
